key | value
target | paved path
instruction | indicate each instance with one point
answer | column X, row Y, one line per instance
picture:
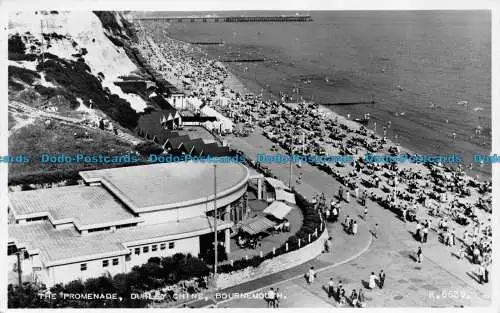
column 408, row 283
column 345, row 248
column 123, row 134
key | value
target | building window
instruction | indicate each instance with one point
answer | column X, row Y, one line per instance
column 137, row 251
column 115, row 262
column 83, row 267
column 171, row 245
column 163, row 246
column 145, row 250
column 154, row 248
column 105, row 263
column 127, row 258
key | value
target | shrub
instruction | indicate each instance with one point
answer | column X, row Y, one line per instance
column 147, row 148
column 79, row 82
column 208, row 255
column 16, row 45
column 27, row 76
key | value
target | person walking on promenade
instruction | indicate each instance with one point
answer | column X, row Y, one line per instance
column 327, row 215
column 354, row 228
column 328, row 244
column 371, row 281
column 354, row 298
column 270, row 298
column 311, row 275
column 419, row 255
column 361, row 298
column 461, row 252
column 480, row 272
column 335, row 214
column 453, row 236
column 347, row 196
column 331, row 289
column 417, row 230
column 347, row 222
column 425, row 233
column 374, row 231
column 342, row 297
column 475, row 254
column 277, row 297
column 381, row 279
column 486, row 272
column 356, row 192
column 365, row 212
column 403, row 214
column 339, row 290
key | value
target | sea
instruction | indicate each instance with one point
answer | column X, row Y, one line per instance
column 427, row 72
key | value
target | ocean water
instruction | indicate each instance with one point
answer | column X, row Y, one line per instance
column 406, row 61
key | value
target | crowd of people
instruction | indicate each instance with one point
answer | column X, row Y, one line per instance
column 421, row 193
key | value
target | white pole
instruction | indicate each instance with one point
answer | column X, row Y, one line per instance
column 215, row 214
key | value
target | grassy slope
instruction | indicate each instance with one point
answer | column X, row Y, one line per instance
column 12, row 121
column 36, row 139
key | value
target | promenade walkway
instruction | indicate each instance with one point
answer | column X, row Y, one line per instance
column 442, row 280
column 345, row 248
column 429, row 284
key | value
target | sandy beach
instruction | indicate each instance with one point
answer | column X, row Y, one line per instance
column 277, row 126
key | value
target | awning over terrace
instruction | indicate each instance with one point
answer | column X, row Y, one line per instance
column 257, row 225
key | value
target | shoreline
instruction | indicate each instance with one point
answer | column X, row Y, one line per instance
column 485, row 175
column 234, row 83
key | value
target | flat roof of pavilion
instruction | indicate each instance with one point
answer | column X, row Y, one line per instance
column 61, row 246
column 159, row 186
column 85, row 206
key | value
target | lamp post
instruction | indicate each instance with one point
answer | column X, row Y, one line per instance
column 291, row 161
column 215, row 225
column 19, row 268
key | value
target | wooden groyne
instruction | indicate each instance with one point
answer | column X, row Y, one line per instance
column 244, row 60
column 230, row 19
column 207, row 43
column 349, row 103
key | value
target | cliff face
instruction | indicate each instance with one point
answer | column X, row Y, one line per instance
column 74, row 56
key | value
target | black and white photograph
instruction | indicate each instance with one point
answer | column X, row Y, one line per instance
column 217, row 157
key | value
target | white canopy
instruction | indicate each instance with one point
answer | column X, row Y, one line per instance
column 227, row 124
column 285, row 196
column 276, row 183
column 278, row 209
